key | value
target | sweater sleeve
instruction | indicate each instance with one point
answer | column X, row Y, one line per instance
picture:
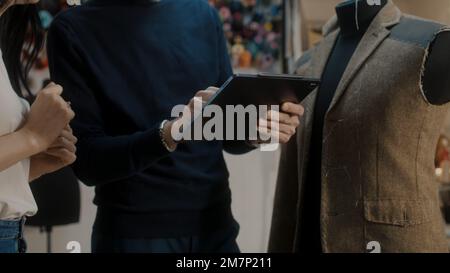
column 101, row 158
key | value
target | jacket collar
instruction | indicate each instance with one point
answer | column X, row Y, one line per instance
column 377, row 32
column 388, row 16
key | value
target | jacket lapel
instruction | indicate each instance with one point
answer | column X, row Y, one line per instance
column 374, row 36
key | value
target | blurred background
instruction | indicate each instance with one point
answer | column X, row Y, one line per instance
column 263, row 35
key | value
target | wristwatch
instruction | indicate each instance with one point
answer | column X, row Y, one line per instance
column 163, row 139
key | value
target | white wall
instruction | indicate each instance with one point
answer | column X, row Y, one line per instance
column 253, row 178
column 252, row 182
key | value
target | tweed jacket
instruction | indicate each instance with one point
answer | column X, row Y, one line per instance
column 379, row 141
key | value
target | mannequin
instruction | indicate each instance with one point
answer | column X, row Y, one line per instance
column 58, row 199
column 436, row 78
column 436, row 85
column 344, row 48
column 362, row 173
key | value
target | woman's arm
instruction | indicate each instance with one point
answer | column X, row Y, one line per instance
column 47, row 118
column 59, row 155
column 16, row 147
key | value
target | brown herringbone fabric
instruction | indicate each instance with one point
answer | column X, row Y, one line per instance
column 380, row 136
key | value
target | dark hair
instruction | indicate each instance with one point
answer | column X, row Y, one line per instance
column 20, row 29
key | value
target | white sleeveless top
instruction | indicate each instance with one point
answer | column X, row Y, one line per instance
column 16, row 198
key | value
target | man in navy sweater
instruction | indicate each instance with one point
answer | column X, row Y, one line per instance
column 123, row 66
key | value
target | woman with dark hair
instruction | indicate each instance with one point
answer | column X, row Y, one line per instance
column 34, row 140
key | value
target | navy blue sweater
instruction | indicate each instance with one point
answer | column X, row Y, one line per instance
column 123, row 66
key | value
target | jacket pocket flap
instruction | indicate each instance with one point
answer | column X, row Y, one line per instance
column 398, row 212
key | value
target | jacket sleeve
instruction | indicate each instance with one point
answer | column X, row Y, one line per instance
column 102, row 158
column 284, row 214
column 284, row 217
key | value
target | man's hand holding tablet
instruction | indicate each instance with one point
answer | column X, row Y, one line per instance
column 279, row 125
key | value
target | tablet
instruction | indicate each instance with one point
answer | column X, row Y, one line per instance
column 247, row 91
column 263, row 89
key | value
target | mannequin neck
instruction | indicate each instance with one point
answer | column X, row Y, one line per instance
column 346, row 14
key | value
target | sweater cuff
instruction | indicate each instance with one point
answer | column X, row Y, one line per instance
column 149, row 147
